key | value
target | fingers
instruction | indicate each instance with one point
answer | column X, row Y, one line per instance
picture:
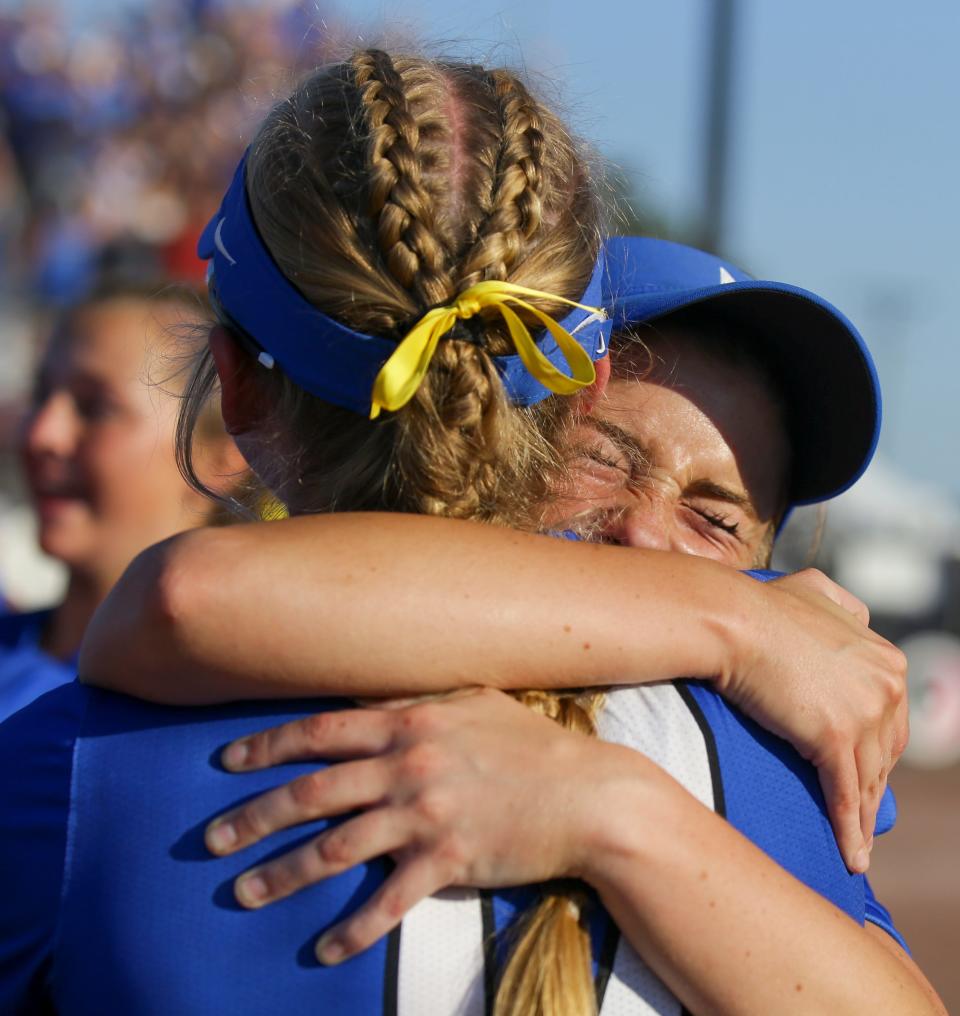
column 873, row 780
column 321, row 794
column 900, row 734
column 811, row 580
column 369, row 835
column 412, row 881
column 852, row 605
column 348, row 733
column 841, row 789
column 815, row 580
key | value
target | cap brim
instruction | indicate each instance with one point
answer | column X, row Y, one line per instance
column 817, row 358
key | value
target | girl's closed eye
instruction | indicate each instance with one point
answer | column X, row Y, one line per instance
column 714, row 522
column 602, row 466
column 606, row 453
column 720, row 521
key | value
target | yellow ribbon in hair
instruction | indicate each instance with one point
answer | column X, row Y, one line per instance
column 272, row 510
column 403, row 373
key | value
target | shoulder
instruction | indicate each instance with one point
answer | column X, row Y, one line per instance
column 36, row 757
column 44, row 732
column 19, row 627
column 145, row 783
column 26, row 671
column 37, row 744
column 773, row 797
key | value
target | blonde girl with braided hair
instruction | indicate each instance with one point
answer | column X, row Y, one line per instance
column 404, row 268
column 448, row 212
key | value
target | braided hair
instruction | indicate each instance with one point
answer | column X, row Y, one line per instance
column 385, row 186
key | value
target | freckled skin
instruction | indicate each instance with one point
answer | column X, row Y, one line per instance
column 696, row 427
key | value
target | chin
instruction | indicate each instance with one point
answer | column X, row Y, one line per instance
column 63, row 542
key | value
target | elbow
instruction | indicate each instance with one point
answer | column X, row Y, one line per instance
column 134, row 636
column 169, row 575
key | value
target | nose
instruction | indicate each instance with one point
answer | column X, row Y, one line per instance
column 644, row 524
column 49, row 427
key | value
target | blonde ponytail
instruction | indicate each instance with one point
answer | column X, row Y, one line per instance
column 549, row 971
column 382, row 187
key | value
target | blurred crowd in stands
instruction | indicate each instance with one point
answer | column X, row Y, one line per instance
column 116, row 138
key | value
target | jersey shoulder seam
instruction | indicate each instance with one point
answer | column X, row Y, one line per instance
column 71, row 832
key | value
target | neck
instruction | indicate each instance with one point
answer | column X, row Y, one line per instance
column 64, row 631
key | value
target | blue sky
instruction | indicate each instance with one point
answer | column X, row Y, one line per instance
column 846, row 153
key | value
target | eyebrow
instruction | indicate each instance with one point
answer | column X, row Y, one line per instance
column 740, row 498
column 640, row 452
column 624, row 440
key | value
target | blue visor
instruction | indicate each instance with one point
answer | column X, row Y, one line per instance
column 318, row 353
column 822, row 368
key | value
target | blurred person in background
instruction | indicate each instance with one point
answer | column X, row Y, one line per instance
column 100, row 124
column 97, row 454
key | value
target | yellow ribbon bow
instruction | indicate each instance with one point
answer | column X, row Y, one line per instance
column 270, row 509
column 403, row 373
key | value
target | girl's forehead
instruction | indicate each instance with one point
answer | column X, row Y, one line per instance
column 116, row 339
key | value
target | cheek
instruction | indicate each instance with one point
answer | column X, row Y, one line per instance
column 594, row 482
column 584, row 492
column 131, row 464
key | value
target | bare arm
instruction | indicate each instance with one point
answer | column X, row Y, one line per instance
column 385, row 605
column 764, row 942
column 477, row 790
column 381, row 605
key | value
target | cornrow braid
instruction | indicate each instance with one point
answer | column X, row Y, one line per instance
column 447, row 459
column 384, row 186
column 399, row 203
column 516, row 207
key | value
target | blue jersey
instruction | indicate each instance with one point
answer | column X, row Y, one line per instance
column 112, row 904
column 26, row 671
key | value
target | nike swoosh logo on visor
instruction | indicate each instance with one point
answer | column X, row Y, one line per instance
column 218, row 241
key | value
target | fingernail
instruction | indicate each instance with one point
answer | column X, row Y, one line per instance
column 251, row 890
column 862, row 860
column 235, row 755
column 220, row 837
column 330, row 951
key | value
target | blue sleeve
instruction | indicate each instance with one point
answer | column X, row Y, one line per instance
column 26, row 672
column 876, row 913
column 886, row 813
column 36, row 759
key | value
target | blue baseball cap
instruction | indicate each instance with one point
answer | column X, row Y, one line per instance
column 816, row 357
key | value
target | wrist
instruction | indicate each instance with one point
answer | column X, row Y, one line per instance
column 628, row 794
column 731, row 612
column 651, row 834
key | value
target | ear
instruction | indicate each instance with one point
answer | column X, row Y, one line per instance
column 589, row 396
column 241, row 398
column 223, row 459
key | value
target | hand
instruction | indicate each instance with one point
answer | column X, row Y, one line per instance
column 426, row 776
column 817, row 676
